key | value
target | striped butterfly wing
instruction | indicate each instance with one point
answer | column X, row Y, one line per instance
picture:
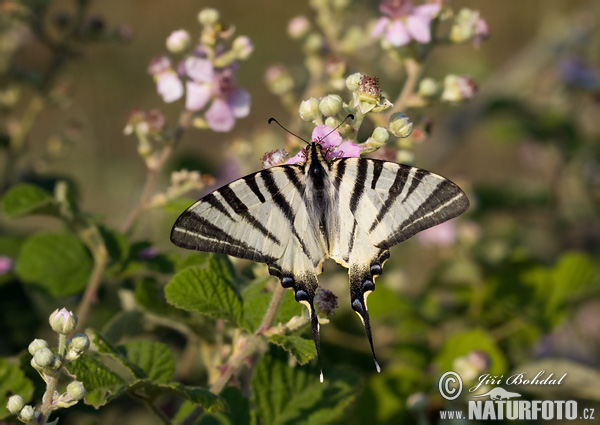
column 261, row 217
column 381, row 204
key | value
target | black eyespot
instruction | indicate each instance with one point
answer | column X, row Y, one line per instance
column 357, row 306
column 301, row 295
column 375, row 270
column 287, row 282
column 368, row 285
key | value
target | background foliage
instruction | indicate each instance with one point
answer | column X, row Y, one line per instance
column 509, row 287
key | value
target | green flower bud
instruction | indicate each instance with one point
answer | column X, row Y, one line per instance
column 27, row 413
column 178, row 41
column 63, row 321
column 243, row 47
column 15, row 404
column 209, row 16
column 400, row 125
column 332, row 122
column 309, row 109
column 458, row 88
column 76, row 390
column 465, row 25
column 331, row 105
column 313, row 44
column 352, row 82
column 36, row 344
column 44, row 357
column 428, row 87
column 380, row 136
column 77, row 345
column 278, row 80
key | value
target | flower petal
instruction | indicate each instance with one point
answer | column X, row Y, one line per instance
column 326, row 136
column 379, row 27
column 239, row 101
column 397, row 34
column 200, row 70
column 169, row 86
column 299, row 157
column 430, row 10
column 219, row 116
column 347, row 150
column 197, row 95
column 419, row 28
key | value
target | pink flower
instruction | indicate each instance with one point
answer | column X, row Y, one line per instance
column 443, row 234
column 169, row 86
column 332, row 146
column 404, row 22
column 6, row 264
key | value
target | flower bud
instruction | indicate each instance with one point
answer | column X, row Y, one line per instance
column 209, row 16
column 428, row 87
column 325, row 302
column 36, row 344
column 331, row 105
column 380, row 136
column 309, row 109
column 458, row 88
column 77, row 345
column 298, row 27
column 313, row 44
column 63, row 321
column 44, row 357
column 15, row 404
column 26, row 413
column 178, row 41
column 278, row 80
column 243, row 47
column 332, row 122
column 400, row 125
column 76, row 390
column 352, row 82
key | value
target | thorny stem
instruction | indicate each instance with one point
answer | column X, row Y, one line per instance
column 153, row 169
column 243, row 349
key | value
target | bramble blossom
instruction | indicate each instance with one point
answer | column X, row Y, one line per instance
column 331, row 143
column 405, row 22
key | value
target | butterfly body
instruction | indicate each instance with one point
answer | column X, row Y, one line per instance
column 293, row 217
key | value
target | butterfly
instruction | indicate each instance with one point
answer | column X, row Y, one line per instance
column 294, row 216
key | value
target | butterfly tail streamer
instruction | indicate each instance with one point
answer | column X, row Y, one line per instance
column 362, row 283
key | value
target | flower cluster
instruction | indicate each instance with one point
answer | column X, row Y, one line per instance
column 49, row 364
column 205, row 73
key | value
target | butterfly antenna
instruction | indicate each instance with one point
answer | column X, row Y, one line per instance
column 349, row 116
column 285, row 129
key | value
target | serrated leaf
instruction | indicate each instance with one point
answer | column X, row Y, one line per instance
column 206, row 291
column 153, row 359
column 302, row 349
column 58, row 262
column 195, row 259
column 13, row 381
column 286, row 395
column 101, row 383
column 256, row 298
column 27, row 199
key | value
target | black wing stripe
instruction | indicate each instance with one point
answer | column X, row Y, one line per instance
column 215, row 203
column 339, row 175
column 251, row 182
column 284, row 207
column 395, row 190
column 293, row 176
column 242, row 209
column 359, row 184
column 377, row 168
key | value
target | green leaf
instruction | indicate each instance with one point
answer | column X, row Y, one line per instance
column 237, row 414
column 154, row 359
column 209, row 401
column 286, row 395
column 205, row 290
column 101, row 384
column 58, row 262
column 463, row 343
column 256, row 298
column 302, row 349
column 27, row 199
column 13, row 381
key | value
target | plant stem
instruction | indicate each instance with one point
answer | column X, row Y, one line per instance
column 413, row 70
